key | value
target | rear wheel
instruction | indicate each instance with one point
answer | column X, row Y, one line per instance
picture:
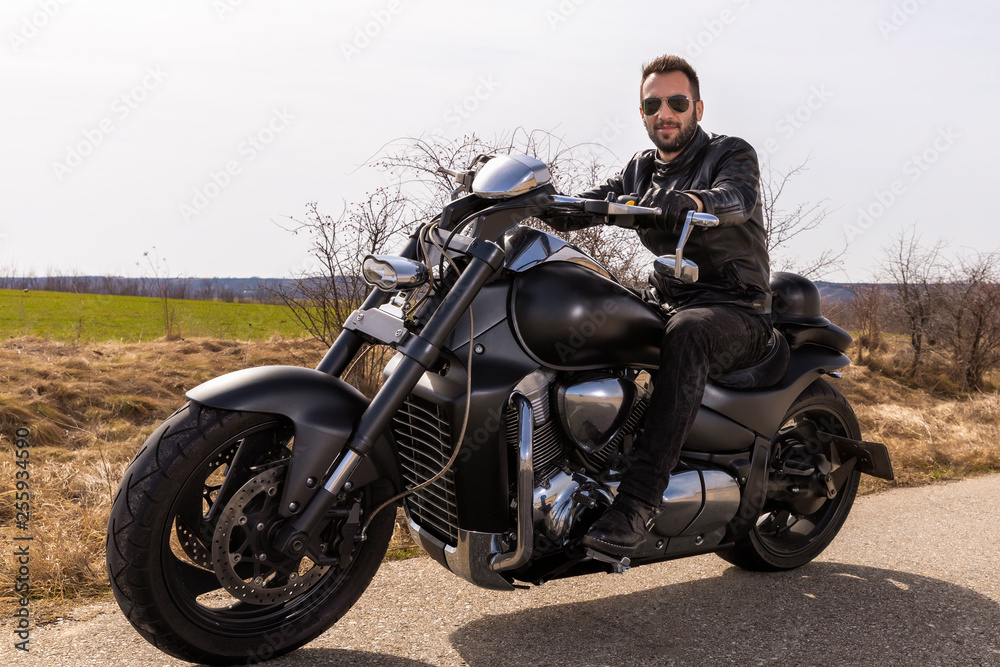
column 810, row 490
column 189, row 542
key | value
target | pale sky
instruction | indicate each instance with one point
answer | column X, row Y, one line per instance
column 193, row 126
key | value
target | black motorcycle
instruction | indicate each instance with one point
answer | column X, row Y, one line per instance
column 256, row 515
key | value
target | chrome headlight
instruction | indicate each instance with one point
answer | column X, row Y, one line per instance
column 388, row 272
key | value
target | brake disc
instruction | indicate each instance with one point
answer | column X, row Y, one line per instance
column 240, row 559
column 192, row 534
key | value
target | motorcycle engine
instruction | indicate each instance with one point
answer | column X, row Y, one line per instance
column 578, row 451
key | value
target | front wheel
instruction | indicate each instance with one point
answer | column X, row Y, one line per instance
column 189, row 542
column 810, row 490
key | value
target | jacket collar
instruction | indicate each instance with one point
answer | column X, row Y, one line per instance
column 686, row 156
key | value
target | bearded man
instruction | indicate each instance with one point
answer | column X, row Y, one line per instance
column 720, row 323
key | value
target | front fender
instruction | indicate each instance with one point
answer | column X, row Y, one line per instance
column 324, row 409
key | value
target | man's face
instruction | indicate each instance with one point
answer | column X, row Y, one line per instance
column 669, row 130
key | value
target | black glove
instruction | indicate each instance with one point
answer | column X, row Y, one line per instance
column 674, row 204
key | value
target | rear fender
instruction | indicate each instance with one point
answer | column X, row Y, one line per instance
column 762, row 410
column 324, row 410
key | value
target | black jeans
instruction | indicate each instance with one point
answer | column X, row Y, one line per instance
column 698, row 342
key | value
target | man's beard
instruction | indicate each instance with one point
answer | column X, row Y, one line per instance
column 681, row 139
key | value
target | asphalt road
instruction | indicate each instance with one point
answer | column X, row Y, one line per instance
column 911, row 580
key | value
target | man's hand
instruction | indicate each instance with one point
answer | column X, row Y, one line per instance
column 675, row 205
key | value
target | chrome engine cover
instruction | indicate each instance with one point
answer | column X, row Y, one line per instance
column 560, row 501
column 594, row 411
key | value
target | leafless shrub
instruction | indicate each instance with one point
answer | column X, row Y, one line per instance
column 574, row 168
column 917, row 273
column 973, row 308
column 783, row 225
column 869, row 311
column 158, row 281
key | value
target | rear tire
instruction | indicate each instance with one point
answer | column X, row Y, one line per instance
column 165, row 525
column 795, row 527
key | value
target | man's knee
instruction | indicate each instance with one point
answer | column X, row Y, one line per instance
column 694, row 324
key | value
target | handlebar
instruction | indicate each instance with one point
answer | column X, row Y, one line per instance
column 615, row 213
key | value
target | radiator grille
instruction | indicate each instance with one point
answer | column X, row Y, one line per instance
column 423, row 438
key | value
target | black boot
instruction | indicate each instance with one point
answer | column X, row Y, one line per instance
column 623, row 527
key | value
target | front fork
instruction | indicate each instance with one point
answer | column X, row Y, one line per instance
column 420, row 352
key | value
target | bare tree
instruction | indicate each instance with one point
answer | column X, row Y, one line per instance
column 574, row 168
column 322, row 297
column 917, row 273
column 869, row 309
column 783, row 225
column 974, row 307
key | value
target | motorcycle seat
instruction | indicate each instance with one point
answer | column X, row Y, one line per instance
column 766, row 372
column 827, row 335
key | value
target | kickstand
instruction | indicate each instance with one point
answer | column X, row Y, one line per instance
column 619, row 564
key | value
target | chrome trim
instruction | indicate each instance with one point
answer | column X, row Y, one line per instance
column 507, row 176
column 675, row 265
column 702, row 219
column 559, row 503
column 469, row 559
column 525, row 247
column 593, row 412
column 681, row 503
column 697, row 502
column 722, row 501
column 613, row 208
column 535, row 387
column 343, row 472
column 390, row 272
column 667, row 266
column 525, row 489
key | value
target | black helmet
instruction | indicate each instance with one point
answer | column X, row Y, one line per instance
column 796, row 300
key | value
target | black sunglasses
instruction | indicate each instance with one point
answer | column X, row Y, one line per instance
column 678, row 103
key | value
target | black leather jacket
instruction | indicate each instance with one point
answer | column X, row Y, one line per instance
column 732, row 258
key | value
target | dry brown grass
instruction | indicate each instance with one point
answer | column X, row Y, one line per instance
column 930, row 436
column 90, row 406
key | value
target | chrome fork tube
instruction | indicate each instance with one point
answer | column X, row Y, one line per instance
column 525, row 489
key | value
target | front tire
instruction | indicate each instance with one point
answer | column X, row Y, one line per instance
column 188, row 535
column 798, row 520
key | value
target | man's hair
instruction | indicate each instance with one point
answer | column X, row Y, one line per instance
column 669, row 63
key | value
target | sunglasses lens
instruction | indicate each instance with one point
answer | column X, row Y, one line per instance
column 679, row 103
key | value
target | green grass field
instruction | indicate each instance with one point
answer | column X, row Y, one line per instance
column 71, row 317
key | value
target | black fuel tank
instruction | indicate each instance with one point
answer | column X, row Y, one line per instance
column 568, row 317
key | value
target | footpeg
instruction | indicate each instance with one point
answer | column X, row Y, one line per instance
column 619, row 564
